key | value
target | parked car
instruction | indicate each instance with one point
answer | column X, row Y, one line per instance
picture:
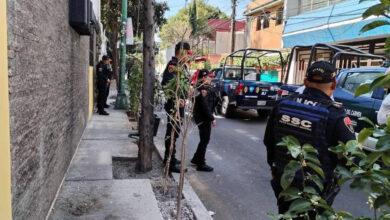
column 366, row 105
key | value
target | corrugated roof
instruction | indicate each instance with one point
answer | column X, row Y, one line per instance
column 223, row 25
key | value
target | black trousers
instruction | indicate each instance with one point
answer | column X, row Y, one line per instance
column 101, row 98
column 204, row 136
column 170, row 125
column 107, row 92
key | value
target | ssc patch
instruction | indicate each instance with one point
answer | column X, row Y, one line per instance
column 348, row 123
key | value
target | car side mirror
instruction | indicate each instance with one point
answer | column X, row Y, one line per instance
column 378, row 93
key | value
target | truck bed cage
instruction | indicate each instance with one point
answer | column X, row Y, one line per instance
column 337, row 52
column 251, row 54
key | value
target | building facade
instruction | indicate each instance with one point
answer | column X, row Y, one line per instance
column 46, row 99
column 265, row 24
column 332, row 21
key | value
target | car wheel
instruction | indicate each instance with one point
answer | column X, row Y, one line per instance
column 226, row 109
column 231, row 109
column 262, row 113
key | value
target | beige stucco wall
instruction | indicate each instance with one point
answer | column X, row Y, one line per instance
column 269, row 38
column 223, row 42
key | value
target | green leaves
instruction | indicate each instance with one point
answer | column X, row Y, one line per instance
column 368, row 87
column 316, row 168
column 362, row 89
column 317, row 180
column 289, row 173
column 374, row 25
column 375, row 10
column 383, row 143
column 292, row 144
column 299, row 206
column 290, row 193
column 386, row 159
column 364, row 134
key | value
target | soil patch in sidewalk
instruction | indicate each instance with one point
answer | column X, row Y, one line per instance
column 165, row 190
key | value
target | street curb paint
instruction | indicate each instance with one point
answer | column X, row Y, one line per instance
column 5, row 139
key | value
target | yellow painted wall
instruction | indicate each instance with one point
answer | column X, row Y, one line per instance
column 90, row 91
column 269, row 38
column 5, row 150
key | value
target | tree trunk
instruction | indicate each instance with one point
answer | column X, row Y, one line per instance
column 147, row 118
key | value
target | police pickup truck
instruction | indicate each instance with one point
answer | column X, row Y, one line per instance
column 249, row 80
column 245, row 91
column 366, row 105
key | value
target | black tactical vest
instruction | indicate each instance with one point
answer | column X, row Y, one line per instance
column 307, row 120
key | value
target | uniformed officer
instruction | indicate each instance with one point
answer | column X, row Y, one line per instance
column 102, row 81
column 204, row 118
column 182, row 50
column 313, row 118
column 110, row 76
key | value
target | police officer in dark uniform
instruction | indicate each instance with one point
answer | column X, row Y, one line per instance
column 181, row 52
column 110, row 76
column 102, row 81
column 313, row 118
column 204, row 118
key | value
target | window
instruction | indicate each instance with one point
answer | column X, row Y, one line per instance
column 258, row 23
column 279, row 16
column 251, row 74
column 266, row 20
column 232, row 74
column 354, row 80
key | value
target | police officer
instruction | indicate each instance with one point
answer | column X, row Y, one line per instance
column 110, row 76
column 323, row 123
column 102, row 81
column 182, row 50
column 204, row 118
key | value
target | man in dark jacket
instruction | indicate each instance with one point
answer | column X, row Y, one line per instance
column 182, row 50
column 204, row 118
column 102, row 81
column 313, row 118
column 110, row 76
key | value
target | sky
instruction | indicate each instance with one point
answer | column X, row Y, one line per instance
column 224, row 5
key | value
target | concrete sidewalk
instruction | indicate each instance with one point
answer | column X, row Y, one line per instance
column 89, row 190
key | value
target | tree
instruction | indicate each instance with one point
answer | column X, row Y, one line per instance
column 111, row 12
column 178, row 27
column 382, row 9
column 146, row 144
column 136, row 13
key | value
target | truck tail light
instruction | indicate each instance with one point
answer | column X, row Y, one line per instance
column 239, row 89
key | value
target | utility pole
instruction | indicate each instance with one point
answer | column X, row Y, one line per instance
column 122, row 101
column 233, row 26
column 146, row 122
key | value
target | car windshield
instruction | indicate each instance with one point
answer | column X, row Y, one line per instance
column 235, row 74
column 355, row 79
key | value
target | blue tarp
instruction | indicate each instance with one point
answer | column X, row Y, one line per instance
column 319, row 19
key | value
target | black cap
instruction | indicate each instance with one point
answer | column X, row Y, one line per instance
column 321, row 72
column 105, row 57
column 202, row 73
column 182, row 46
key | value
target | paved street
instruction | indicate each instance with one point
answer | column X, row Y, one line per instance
column 239, row 187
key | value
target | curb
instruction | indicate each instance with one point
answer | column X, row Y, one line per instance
column 197, row 206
